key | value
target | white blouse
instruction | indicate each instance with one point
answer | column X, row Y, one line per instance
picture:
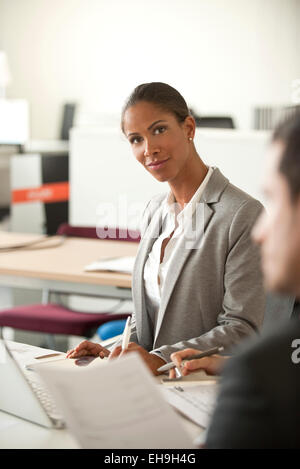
column 156, row 272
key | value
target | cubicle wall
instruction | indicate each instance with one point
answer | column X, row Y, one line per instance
column 240, row 155
column 108, row 186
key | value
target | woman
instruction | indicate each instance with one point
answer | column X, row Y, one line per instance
column 197, row 281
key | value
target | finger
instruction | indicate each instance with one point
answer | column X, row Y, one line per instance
column 200, row 363
column 80, row 353
column 83, row 345
column 92, row 348
column 85, row 348
column 133, row 346
column 80, row 350
column 208, row 364
column 104, row 352
column 115, row 352
column 177, row 357
column 184, row 371
column 172, row 373
column 212, row 365
column 186, row 352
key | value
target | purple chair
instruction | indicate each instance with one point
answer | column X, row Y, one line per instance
column 116, row 234
column 53, row 318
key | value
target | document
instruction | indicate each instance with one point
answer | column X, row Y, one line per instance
column 115, row 404
column 195, row 402
column 119, row 264
column 194, row 377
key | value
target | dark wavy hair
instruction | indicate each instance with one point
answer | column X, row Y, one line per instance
column 162, row 95
column 288, row 133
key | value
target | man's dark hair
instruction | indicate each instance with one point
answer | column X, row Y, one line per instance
column 288, row 133
column 162, row 95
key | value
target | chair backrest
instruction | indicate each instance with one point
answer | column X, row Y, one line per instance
column 116, row 234
column 220, row 122
column 67, row 120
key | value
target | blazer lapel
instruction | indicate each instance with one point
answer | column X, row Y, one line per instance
column 143, row 326
column 191, row 239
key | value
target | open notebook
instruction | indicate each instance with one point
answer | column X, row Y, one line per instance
column 118, row 264
column 114, row 404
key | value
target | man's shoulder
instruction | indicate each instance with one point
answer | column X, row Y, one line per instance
column 257, row 405
column 273, row 351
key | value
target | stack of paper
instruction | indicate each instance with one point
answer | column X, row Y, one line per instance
column 115, row 405
column 119, row 264
column 195, row 402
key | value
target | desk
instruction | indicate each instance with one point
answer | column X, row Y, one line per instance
column 18, row 433
column 60, row 268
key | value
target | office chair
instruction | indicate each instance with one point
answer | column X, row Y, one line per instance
column 220, row 122
column 111, row 329
column 53, row 318
column 68, row 119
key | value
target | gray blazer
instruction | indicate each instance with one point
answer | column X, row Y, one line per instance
column 214, row 292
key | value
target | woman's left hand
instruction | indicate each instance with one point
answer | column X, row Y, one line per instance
column 152, row 361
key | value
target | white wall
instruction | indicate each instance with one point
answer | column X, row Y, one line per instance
column 103, row 156
column 223, row 55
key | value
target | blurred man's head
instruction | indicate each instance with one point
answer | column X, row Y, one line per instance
column 278, row 230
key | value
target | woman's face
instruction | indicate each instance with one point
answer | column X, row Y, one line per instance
column 158, row 141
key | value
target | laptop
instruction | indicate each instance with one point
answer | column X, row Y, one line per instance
column 23, row 394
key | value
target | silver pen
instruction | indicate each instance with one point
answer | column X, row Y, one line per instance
column 206, row 353
column 126, row 334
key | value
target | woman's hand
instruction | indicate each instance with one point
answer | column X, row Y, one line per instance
column 152, row 361
column 212, row 364
column 88, row 348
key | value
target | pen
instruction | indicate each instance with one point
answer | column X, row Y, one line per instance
column 126, row 334
column 47, row 356
column 206, row 353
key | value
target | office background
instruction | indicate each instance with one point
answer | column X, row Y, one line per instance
column 225, row 56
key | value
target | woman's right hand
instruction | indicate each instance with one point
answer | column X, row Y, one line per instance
column 212, row 364
column 87, row 348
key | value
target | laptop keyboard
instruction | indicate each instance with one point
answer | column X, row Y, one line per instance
column 45, row 398
column 43, row 395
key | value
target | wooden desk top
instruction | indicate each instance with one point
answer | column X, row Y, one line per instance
column 64, row 262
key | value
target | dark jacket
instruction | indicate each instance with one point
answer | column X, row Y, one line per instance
column 259, row 400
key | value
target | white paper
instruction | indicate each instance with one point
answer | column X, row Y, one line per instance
column 5, row 425
column 115, row 405
column 195, row 402
column 120, row 264
column 195, row 377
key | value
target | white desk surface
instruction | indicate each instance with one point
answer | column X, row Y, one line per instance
column 18, row 433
